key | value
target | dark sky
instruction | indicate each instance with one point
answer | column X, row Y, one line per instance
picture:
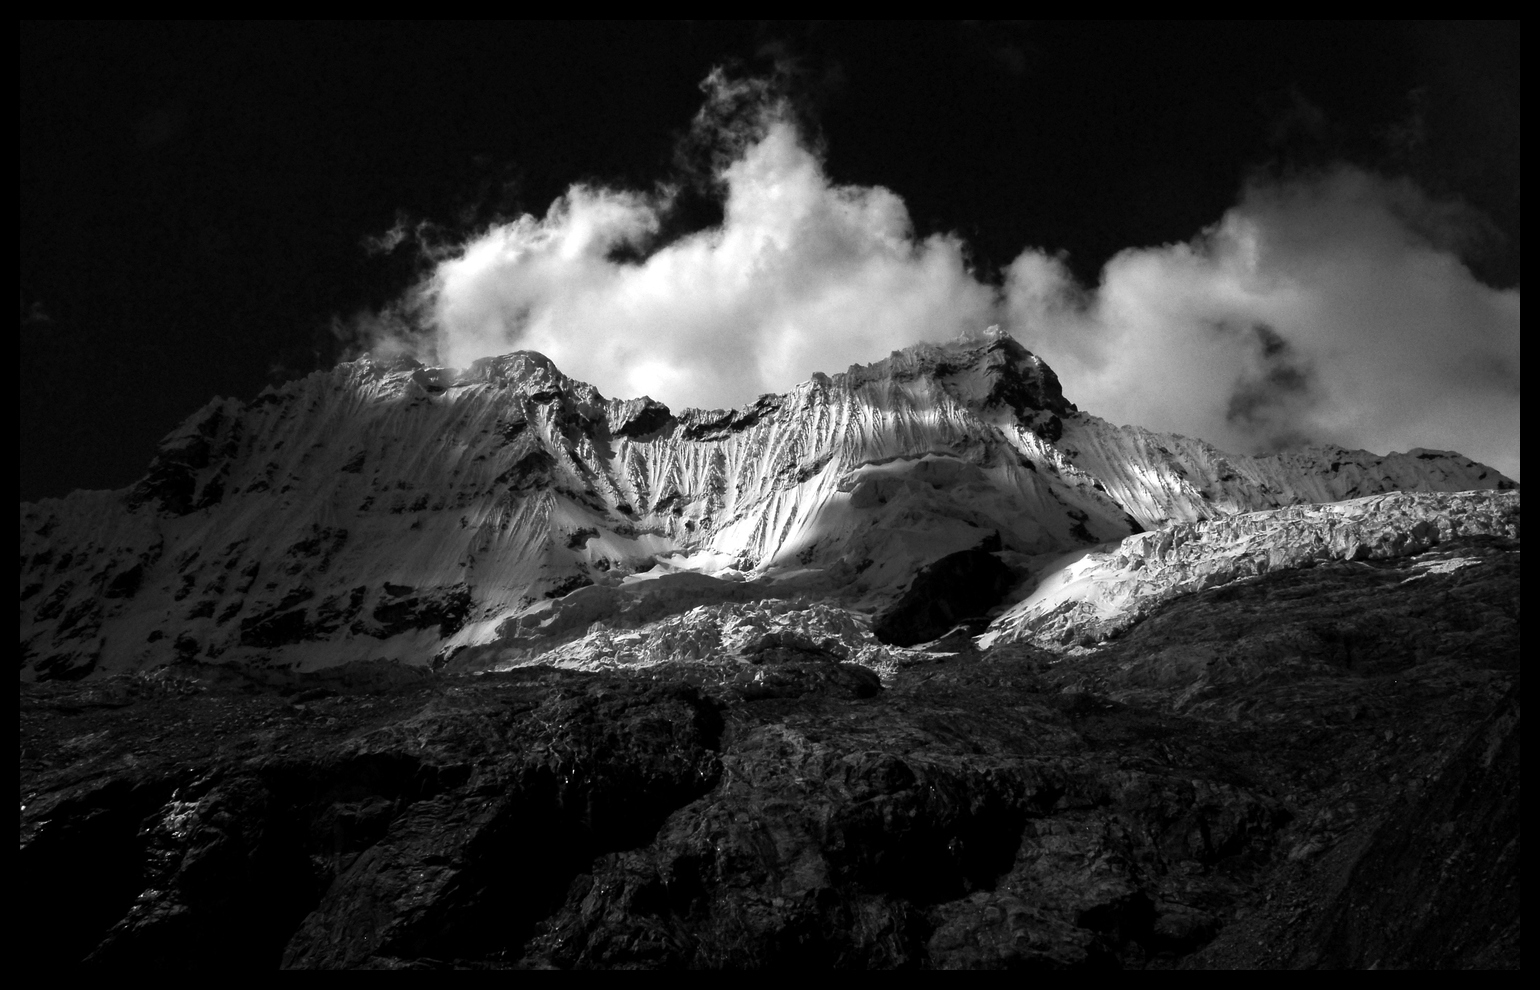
column 195, row 198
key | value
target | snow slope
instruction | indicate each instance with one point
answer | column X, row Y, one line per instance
column 1162, row 477
column 1091, row 595
column 389, row 510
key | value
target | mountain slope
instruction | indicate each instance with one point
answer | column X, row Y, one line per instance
column 1163, row 478
column 389, row 510
column 1316, row 768
column 1086, row 598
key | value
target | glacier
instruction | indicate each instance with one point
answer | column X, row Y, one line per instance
column 1085, row 598
column 385, row 510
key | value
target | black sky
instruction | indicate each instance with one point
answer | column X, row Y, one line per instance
column 194, row 198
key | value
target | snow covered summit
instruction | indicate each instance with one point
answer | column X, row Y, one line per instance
column 387, row 509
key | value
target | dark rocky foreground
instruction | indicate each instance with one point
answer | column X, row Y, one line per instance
column 1313, row 768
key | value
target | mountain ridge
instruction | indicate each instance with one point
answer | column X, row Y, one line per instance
column 385, row 509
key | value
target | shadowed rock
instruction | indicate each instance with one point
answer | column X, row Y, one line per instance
column 1221, row 787
column 959, row 586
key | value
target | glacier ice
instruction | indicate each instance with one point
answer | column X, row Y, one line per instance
column 384, row 509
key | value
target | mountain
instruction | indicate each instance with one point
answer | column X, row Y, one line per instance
column 386, row 510
column 914, row 666
column 1311, row 768
column 1085, row 598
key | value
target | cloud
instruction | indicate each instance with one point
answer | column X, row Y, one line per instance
column 802, row 275
column 1330, row 308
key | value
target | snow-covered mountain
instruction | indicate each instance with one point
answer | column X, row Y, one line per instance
column 390, row 510
column 1085, row 598
column 1163, row 478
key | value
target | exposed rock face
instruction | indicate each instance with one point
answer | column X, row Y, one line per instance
column 1414, row 893
column 960, row 586
column 388, row 510
column 1315, row 766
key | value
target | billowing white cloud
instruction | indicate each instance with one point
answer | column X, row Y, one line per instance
column 1329, row 308
column 801, row 276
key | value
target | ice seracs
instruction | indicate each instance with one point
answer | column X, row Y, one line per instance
column 384, row 509
column 1090, row 596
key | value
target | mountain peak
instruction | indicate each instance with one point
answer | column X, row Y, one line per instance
column 525, row 372
column 388, row 509
column 988, row 372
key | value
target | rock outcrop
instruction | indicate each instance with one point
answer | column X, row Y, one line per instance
column 958, row 587
column 1314, row 767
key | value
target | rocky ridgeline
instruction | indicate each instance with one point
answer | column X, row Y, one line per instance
column 385, row 510
column 1163, row 478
